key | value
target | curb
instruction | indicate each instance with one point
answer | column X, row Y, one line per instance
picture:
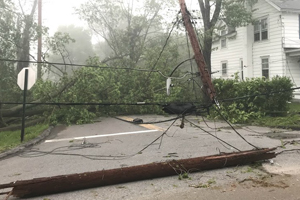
column 30, row 143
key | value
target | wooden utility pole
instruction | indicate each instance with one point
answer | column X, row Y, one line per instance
column 199, row 58
column 39, row 53
column 71, row 182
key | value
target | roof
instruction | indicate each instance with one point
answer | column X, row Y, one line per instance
column 286, row 5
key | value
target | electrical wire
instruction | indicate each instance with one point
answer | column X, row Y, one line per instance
column 287, row 150
column 155, row 122
column 165, row 44
column 217, row 136
column 160, row 137
column 213, row 135
column 61, row 150
column 83, row 104
column 100, row 104
column 189, row 59
column 219, row 112
column 260, row 94
column 97, row 66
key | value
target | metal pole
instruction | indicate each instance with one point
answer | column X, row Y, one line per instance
column 39, row 53
column 24, row 104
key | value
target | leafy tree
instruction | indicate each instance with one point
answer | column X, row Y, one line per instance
column 77, row 51
column 134, row 35
column 17, row 32
column 233, row 12
column 69, row 45
column 128, row 29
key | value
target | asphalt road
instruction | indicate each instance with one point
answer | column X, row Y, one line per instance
column 111, row 143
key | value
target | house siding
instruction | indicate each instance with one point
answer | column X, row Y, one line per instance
column 293, row 72
column 231, row 54
column 290, row 22
column 283, row 36
column 272, row 47
column 244, row 47
column 293, row 69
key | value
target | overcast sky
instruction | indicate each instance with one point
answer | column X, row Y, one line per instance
column 61, row 12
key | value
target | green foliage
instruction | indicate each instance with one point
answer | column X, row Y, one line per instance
column 253, row 107
column 11, row 139
column 184, row 175
column 235, row 13
column 292, row 120
column 109, row 86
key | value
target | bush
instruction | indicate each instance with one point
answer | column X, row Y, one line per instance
column 252, row 105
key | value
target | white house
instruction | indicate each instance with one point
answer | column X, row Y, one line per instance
column 269, row 47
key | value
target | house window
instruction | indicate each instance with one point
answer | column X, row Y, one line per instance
column 224, row 68
column 223, row 43
column 223, row 39
column 265, row 67
column 261, row 29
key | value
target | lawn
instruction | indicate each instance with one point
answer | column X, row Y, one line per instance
column 11, row 139
column 290, row 120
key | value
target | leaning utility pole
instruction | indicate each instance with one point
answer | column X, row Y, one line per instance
column 199, row 58
column 39, row 53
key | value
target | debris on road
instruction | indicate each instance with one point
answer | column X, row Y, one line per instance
column 71, row 182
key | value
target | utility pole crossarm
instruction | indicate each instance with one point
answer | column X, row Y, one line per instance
column 199, row 58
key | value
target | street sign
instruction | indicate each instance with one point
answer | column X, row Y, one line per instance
column 31, row 78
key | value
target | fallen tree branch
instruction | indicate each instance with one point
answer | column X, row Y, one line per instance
column 17, row 109
column 71, row 182
column 27, row 124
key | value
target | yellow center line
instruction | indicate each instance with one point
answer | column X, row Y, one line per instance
column 147, row 126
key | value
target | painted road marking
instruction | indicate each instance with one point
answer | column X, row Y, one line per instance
column 147, row 126
column 97, row 136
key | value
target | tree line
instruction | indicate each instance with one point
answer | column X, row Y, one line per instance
column 134, row 36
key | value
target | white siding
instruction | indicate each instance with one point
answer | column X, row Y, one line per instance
column 272, row 47
column 293, row 69
column 290, row 22
column 293, row 72
column 232, row 54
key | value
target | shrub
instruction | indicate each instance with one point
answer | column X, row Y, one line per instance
column 252, row 105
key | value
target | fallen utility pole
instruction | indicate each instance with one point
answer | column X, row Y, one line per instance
column 199, row 58
column 71, row 182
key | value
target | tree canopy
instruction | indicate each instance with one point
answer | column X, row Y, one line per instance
column 234, row 13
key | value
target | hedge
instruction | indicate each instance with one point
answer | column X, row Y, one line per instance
column 259, row 97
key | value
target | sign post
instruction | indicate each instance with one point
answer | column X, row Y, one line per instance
column 26, row 79
column 24, row 104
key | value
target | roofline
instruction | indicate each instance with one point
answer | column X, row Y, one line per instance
column 274, row 5
column 280, row 9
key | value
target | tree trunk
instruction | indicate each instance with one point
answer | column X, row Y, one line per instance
column 24, row 51
column 207, row 53
column 18, row 127
column 209, row 24
column 17, row 109
column 2, row 123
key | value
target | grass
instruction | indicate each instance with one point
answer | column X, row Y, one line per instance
column 290, row 120
column 294, row 107
column 11, row 139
